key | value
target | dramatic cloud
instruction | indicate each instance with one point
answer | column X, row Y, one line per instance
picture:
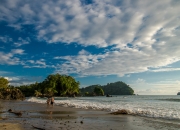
column 144, row 33
column 78, row 64
column 114, row 62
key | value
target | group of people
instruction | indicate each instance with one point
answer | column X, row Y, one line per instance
column 50, row 101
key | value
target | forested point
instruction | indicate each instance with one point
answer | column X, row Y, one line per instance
column 53, row 85
column 8, row 92
column 117, row 88
column 60, row 85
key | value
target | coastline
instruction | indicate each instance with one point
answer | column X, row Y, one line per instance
column 58, row 117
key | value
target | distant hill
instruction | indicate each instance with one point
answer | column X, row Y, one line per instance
column 178, row 93
column 117, row 88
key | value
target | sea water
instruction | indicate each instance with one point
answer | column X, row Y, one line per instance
column 166, row 107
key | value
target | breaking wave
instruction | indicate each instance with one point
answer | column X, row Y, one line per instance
column 134, row 106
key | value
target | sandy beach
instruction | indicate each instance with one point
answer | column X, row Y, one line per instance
column 65, row 118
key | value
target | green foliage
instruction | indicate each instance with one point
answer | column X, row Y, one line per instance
column 89, row 89
column 61, row 85
column 11, row 94
column 53, row 85
column 29, row 90
column 86, row 93
column 117, row 88
column 3, row 82
column 37, row 93
column 98, row 91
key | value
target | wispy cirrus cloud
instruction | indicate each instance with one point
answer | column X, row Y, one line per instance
column 78, row 64
column 10, row 58
column 5, row 39
column 17, row 43
column 22, row 41
column 17, row 51
column 2, row 73
column 165, row 69
column 41, row 63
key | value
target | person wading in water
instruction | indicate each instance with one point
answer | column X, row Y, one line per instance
column 52, row 101
column 48, row 101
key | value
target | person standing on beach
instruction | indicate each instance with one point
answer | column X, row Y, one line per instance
column 52, row 101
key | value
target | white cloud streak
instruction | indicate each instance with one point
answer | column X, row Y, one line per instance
column 10, row 58
column 165, row 69
column 21, row 42
column 5, row 39
column 170, row 87
column 17, row 43
column 22, row 80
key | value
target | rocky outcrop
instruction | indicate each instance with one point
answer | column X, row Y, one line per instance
column 11, row 94
column 123, row 111
column 108, row 95
column 178, row 93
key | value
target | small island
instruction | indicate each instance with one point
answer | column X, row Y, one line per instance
column 117, row 88
column 178, row 93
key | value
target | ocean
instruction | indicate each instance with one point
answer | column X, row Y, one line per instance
column 164, row 107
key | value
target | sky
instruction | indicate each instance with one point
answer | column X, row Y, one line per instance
column 94, row 41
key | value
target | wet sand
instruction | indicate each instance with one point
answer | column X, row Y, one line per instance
column 65, row 118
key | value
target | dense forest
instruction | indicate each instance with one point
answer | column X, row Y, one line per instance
column 61, row 85
column 9, row 92
column 117, row 88
column 53, row 85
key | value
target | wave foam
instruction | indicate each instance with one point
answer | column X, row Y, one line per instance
column 132, row 108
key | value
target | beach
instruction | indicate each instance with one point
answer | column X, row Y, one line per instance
column 66, row 118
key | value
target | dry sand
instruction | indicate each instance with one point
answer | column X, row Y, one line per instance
column 65, row 118
column 11, row 126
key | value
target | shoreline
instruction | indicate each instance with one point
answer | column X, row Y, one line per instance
column 59, row 117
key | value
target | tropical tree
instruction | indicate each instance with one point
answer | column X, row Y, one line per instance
column 3, row 82
column 53, row 85
column 98, row 91
column 37, row 93
column 118, row 88
column 50, row 84
column 61, row 85
column 67, row 86
column 86, row 93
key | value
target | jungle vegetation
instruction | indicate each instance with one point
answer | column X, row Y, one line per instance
column 117, row 88
column 3, row 82
column 53, row 85
column 9, row 92
column 61, row 85
column 94, row 90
